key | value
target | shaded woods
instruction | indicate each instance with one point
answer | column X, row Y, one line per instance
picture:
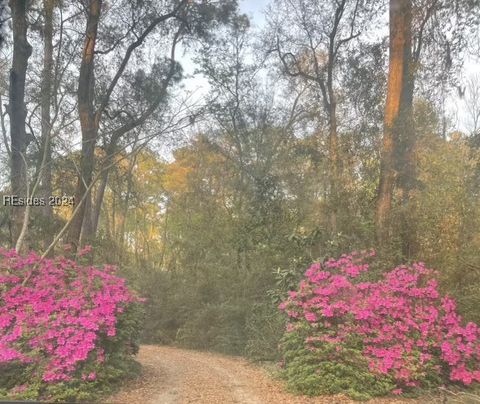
column 328, row 128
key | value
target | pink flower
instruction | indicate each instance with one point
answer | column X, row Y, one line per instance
column 19, row 389
column 406, row 327
column 310, row 317
column 57, row 319
column 85, row 250
column 327, row 312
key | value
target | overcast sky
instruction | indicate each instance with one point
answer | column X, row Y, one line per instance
column 254, row 8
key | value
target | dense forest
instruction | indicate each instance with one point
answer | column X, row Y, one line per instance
column 213, row 160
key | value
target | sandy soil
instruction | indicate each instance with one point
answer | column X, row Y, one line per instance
column 176, row 376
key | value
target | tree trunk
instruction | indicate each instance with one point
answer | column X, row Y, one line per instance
column 97, row 207
column 87, row 232
column 397, row 110
column 407, row 174
column 126, row 203
column 17, row 109
column 330, row 102
column 88, row 121
column 46, row 170
column 334, row 164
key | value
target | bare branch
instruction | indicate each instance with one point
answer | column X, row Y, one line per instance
column 128, row 54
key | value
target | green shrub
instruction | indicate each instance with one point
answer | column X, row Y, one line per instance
column 264, row 328
column 68, row 332
column 328, row 371
column 216, row 327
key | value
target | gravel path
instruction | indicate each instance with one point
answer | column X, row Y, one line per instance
column 176, row 376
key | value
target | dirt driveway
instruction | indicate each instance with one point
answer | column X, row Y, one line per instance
column 177, row 376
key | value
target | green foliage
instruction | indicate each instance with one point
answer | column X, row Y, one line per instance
column 264, row 327
column 446, row 211
column 328, row 371
column 215, row 327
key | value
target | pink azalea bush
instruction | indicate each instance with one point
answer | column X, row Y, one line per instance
column 404, row 331
column 60, row 321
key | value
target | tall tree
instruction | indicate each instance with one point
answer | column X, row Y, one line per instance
column 88, row 123
column 398, row 107
column 17, row 109
column 45, row 170
column 427, row 40
column 179, row 20
column 310, row 38
column 90, row 115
